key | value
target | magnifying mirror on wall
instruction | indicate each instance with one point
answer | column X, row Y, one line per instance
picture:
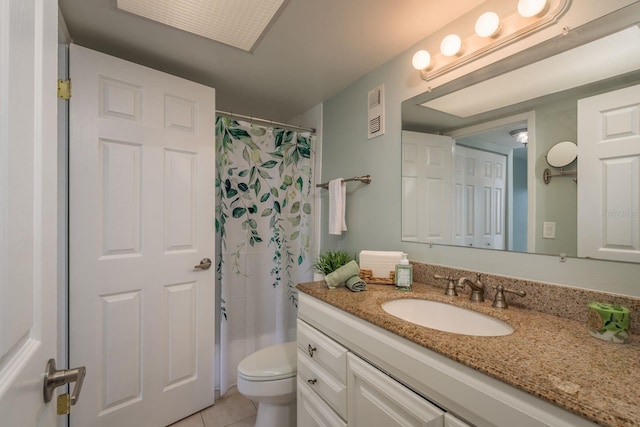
column 560, row 156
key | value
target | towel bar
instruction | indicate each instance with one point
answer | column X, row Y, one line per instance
column 365, row 178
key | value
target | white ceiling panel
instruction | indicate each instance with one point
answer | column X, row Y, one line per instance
column 237, row 23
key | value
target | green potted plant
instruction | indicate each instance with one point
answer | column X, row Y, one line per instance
column 329, row 261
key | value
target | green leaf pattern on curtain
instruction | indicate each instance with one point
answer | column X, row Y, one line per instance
column 259, row 175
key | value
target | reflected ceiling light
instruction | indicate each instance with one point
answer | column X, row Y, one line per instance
column 451, row 45
column 488, row 25
column 521, row 135
column 531, row 8
column 422, row 60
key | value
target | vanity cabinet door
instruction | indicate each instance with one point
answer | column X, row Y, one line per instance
column 377, row 400
column 313, row 411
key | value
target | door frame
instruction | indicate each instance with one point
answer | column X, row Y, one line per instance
column 62, row 352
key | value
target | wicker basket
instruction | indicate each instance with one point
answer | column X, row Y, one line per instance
column 367, row 276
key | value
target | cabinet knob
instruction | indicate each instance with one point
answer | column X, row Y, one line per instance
column 313, row 381
column 311, row 350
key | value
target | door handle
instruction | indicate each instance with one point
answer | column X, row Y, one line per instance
column 54, row 379
column 205, row 264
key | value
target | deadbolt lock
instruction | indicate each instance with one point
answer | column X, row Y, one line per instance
column 63, row 404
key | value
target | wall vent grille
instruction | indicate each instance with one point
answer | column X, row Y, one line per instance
column 376, row 112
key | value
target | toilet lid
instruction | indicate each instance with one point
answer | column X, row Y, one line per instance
column 271, row 363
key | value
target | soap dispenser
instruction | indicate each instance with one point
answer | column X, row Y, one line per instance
column 404, row 274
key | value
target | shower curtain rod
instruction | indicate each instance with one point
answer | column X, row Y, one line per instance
column 271, row 122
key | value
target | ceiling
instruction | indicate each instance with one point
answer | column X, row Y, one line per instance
column 311, row 51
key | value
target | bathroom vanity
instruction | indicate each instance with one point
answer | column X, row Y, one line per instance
column 360, row 366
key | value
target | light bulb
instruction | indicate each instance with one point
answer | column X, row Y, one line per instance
column 531, row 8
column 488, row 24
column 451, row 45
column 421, row 60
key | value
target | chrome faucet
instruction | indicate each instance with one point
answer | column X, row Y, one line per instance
column 477, row 287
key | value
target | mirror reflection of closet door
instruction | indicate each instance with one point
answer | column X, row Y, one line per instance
column 464, row 204
column 609, row 175
column 479, row 204
column 495, row 166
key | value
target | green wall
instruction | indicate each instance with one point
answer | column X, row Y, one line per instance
column 557, row 201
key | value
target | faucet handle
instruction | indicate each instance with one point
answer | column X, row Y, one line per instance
column 500, row 301
column 451, row 286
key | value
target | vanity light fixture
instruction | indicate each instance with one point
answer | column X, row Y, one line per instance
column 532, row 8
column 422, row 60
column 492, row 32
column 488, row 25
column 521, row 135
column 451, row 45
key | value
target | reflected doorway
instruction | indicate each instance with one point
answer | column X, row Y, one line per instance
column 495, row 139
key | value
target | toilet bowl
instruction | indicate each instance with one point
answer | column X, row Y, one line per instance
column 268, row 376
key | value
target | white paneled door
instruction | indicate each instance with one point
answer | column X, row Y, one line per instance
column 609, row 175
column 141, row 218
column 28, row 214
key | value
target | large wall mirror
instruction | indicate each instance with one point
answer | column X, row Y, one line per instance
column 474, row 150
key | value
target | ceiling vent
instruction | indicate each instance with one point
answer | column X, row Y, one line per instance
column 376, row 112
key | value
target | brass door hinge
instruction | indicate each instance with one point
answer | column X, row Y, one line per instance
column 64, row 89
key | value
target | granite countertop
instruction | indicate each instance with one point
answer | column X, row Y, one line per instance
column 549, row 357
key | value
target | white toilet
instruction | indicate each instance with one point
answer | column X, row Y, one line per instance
column 268, row 376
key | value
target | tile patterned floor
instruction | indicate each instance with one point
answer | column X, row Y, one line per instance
column 230, row 410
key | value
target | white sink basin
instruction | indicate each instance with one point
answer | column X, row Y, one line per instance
column 446, row 317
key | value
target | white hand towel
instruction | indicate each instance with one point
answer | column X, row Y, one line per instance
column 337, row 206
column 379, row 262
column 384, row 254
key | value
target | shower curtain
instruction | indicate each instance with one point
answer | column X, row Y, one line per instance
column 264, row 225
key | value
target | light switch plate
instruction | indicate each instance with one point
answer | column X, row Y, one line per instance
column 548, row 230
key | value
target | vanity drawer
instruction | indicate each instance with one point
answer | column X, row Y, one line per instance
column 313, row 411
column 323, row 351
column 328, row 387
